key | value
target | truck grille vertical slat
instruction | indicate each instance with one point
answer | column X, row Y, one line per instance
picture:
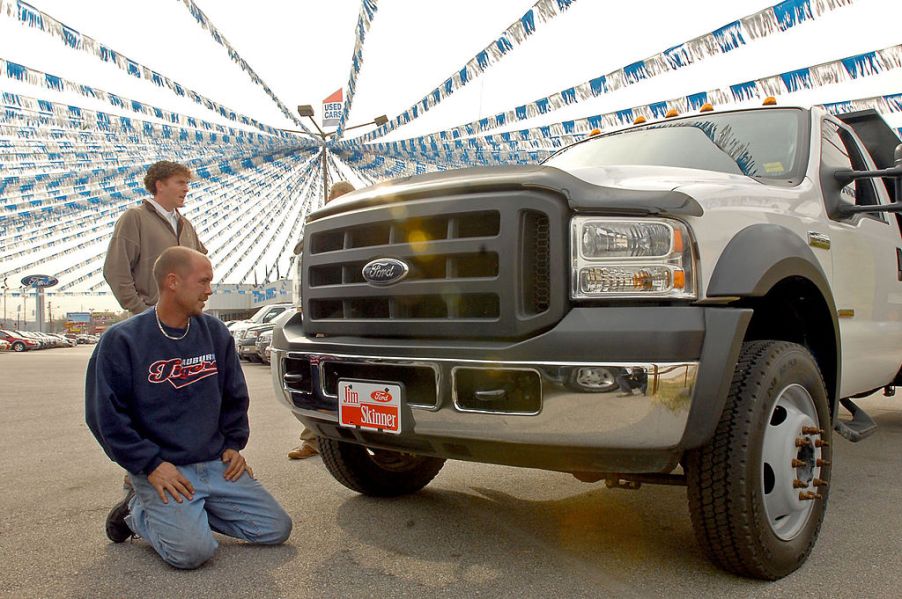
column 536, row 266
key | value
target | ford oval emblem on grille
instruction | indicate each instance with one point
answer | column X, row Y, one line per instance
column 385, row 271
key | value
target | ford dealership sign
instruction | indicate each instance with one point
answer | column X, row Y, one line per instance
column 39, row 281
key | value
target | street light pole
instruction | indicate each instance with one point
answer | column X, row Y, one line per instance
column 307, row 111
column 325, row 175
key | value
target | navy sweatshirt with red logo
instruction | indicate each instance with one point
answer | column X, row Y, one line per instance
column 149, row 399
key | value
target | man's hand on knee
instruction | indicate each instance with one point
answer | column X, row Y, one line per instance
column 236, row 465
column 167, row 478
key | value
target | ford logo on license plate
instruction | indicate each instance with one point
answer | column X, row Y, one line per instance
column 385, row 271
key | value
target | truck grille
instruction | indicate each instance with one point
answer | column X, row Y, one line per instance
column 480, row 265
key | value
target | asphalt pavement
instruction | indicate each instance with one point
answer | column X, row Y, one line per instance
column 477, row 530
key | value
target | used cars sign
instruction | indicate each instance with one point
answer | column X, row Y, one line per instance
column 39, row 281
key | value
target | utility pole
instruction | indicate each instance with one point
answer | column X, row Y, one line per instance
column 5, row 289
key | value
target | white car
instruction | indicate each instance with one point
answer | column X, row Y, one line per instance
column 264, row 315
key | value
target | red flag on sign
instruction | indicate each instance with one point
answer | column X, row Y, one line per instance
column 335, row 97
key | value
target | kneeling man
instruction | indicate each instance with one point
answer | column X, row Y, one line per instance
column 166, row 398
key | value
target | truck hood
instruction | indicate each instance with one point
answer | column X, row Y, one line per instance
column 642, row 191
column 657, row 178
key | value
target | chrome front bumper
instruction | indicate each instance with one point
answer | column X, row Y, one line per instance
column 636, row 406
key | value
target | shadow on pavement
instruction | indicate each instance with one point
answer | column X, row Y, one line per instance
column 237, row 570
column 502, row 545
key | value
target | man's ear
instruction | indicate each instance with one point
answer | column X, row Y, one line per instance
column 172, row 281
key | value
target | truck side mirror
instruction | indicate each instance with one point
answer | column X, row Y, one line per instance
column 897, row 161
column 846, row 176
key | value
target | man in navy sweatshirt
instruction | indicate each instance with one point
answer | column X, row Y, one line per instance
column 166, row 399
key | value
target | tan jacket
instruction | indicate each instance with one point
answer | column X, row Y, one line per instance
column 140, row 236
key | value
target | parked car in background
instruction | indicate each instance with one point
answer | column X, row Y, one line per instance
column 247, row 345
column 65, row 341
column 19, row 342
column 265, row 315
column 264, row 339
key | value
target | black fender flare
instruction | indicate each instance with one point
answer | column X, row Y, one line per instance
column 762, row 255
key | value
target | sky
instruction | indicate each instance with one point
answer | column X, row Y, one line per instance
column 303, row 48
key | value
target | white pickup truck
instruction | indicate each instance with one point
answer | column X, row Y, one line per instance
column 688, row 301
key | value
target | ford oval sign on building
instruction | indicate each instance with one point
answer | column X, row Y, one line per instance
column 39, row 281
column 385, row 271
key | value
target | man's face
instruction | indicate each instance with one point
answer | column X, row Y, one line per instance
column 171, row 191
column 194, row 289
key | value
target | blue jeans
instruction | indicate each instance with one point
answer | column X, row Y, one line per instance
column 182, row 533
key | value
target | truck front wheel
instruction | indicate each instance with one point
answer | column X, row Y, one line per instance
column 377, row 472
column 758, row 490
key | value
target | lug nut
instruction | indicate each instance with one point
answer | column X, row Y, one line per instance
column 812, row 430
column 802, row 442
column 820, row 483
column 798, row 484
column 821, row 463
column 807, row 496
column 821, row 443
column 796, row 463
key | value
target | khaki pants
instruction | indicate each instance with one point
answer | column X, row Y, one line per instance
column 309, row 436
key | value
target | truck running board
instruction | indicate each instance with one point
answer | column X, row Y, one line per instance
column 860, row 427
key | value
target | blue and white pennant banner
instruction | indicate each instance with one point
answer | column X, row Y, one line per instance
column 32, row 17
column 368, row 10
column 541, row 12
column 845, row 69
column 765, row 23
column 38, row 78
column 220, row 39
column 19, row 107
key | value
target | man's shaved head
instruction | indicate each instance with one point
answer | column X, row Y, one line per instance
column 178, row 260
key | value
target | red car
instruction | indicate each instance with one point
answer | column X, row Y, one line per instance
column 17, row 342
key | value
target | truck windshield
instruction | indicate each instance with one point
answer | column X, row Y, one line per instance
column 764, row 144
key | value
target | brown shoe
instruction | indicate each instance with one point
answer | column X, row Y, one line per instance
column 303, row 451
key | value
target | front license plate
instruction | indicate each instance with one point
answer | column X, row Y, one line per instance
column 370, row 405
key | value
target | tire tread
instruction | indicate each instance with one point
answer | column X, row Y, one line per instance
column 725, row 524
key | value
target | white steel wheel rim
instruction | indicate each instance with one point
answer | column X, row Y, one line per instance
column 594, row 378
column 789, row 462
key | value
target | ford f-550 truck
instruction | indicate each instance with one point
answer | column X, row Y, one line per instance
column 686, row 301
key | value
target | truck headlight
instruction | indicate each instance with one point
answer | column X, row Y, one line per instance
column 616, row 257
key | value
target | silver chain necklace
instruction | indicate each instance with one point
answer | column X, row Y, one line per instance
column 167, row 335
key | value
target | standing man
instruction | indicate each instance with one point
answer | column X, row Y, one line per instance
column 309, row 446
column 166, row 399
column 143, row 232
